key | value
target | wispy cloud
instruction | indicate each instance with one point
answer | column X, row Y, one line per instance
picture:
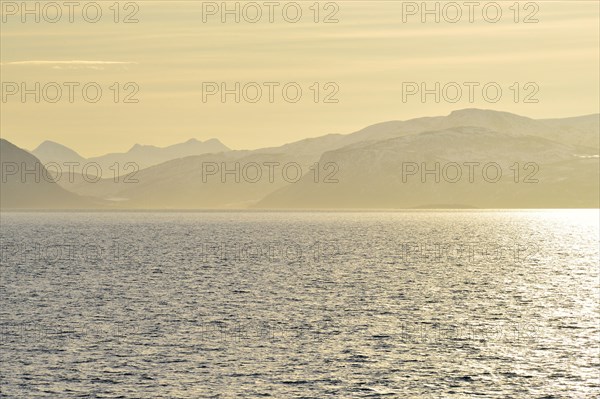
column 70, row 64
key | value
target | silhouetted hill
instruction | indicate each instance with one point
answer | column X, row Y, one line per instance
column 25, row 183
column 143, row 156
column 50, row 151
column 390, row 174
column 562, row 154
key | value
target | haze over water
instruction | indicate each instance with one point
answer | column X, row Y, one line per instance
column 419, row 304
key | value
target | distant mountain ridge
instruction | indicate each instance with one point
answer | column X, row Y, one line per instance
column 142, row 155
column 581, row 131
column 400, row 173
column 33, row 189
column 369, row 163
column 50, row 151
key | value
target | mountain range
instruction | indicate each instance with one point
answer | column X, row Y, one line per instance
column 543, row 163
column 26, row 183
column 141, row 155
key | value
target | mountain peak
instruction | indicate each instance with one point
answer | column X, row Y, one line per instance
column 477, row 111
column 53, row 151
column 49, row 144
column 483, row 113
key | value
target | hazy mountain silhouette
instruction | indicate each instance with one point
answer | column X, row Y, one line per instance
column 148, row 155
column 34, row 189
column 578, row 131
column 50, row 151
column 179, row 184
column 370, row 167
column 371, row 174
column 142, row 155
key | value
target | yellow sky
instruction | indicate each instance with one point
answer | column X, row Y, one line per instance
column 367, row 55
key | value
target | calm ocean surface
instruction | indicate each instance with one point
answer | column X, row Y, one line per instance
column 497, row 304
